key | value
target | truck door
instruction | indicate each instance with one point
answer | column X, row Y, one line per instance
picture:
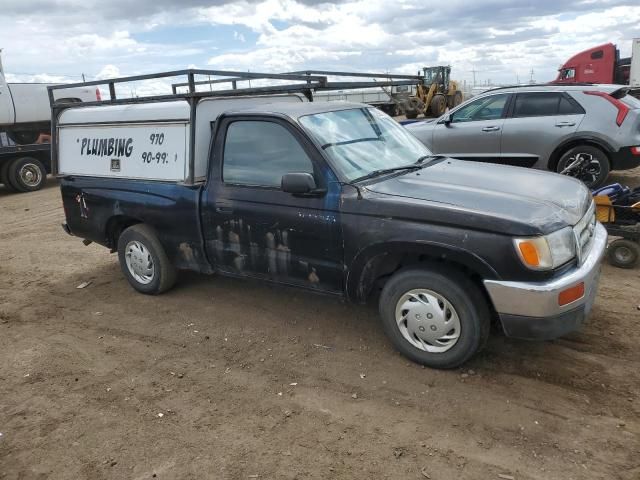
column 251, row 226
column 537, row 123
column 474, row 131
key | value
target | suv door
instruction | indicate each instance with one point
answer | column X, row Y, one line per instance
column 536, row 124
column 251, row 226
column 474, row 131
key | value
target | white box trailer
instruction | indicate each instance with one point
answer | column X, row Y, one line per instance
column 634, row 71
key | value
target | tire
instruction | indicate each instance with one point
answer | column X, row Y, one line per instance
column 438, row 105
column 4, row 176
column 139, row 245
column 597, row 170
column 457, row 98
column 27, row 174
column 411, row 114
column 25, row 137
column 623, row 253
column 465, row 301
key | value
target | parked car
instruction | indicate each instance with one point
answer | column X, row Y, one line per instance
column 337, row 198
column 581, row 130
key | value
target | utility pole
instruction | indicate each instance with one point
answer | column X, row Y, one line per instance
column 474, row 71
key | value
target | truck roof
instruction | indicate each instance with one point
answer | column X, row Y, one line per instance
column 297, row 110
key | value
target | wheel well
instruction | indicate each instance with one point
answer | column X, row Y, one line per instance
column 115, row 226
column 554, row 158
column 381, row 267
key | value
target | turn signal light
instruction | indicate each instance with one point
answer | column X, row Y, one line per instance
column 529, row 253
column 572, row 294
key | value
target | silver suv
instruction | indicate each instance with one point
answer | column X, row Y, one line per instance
column 580, row 130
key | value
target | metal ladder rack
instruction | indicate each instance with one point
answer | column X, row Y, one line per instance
column 305, row 82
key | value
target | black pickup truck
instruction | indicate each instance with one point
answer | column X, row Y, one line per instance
column 338, row 198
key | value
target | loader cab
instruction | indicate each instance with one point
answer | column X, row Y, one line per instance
column 438, row 75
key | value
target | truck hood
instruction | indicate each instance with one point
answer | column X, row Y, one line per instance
column 491, row 197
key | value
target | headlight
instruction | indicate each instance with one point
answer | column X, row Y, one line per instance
column 547, row 252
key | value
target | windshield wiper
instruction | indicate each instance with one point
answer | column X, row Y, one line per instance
column 384, row 171
column 424, row 158
column 348, row 142
column 417, row 165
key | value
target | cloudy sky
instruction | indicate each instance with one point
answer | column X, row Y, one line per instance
column 501, row 40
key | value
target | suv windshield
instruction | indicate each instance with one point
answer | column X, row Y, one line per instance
column 361, row 141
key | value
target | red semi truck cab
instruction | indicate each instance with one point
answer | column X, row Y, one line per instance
column 601, row 64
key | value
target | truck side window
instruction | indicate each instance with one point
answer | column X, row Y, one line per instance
column 260, row 153
column 486, row 108
column 536, row 104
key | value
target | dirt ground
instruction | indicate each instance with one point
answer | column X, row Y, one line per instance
column 227, row 379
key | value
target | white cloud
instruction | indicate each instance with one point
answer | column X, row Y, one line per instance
column 499, row 39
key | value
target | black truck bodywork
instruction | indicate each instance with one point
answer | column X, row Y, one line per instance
column 347, row 238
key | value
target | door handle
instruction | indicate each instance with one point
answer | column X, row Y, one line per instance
column 565, row 124
column 491, row 129
column 226, row 210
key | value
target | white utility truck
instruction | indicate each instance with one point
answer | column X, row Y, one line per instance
column 25, row 111
column 25, row 125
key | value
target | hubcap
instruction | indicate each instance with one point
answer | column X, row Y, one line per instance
column 623, row 254
column 139, row 262
column 30, row 175
column 427, row 320
column 585, row 167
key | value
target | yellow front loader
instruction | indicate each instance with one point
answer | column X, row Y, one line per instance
column 436, row 93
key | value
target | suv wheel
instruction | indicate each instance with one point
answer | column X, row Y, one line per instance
column 586, row 163
column 436, row 317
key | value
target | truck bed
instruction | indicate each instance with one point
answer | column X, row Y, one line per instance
column 106, row 206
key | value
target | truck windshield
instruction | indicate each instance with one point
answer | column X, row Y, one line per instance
column 361, row 141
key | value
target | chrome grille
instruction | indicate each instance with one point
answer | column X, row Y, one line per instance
column 583, row 232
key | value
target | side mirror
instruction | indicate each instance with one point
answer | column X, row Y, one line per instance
column 298, row 183
column 447, row 119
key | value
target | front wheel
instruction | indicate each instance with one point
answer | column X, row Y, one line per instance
column 434, row 316
column 438, row 105
column 144, row 261
column 586, row 163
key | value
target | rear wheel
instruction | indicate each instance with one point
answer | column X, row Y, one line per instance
column 4, row 176
column 436, row 316
column 27, row 174
column 438, row 105
column 455, row 99
column 623, row 253
column 144, row 262
column 586, row 163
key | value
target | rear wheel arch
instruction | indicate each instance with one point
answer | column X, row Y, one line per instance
column 115, row 226
column 564, row 147
column 374, row 265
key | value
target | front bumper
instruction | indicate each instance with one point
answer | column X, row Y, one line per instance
column 531, row 310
